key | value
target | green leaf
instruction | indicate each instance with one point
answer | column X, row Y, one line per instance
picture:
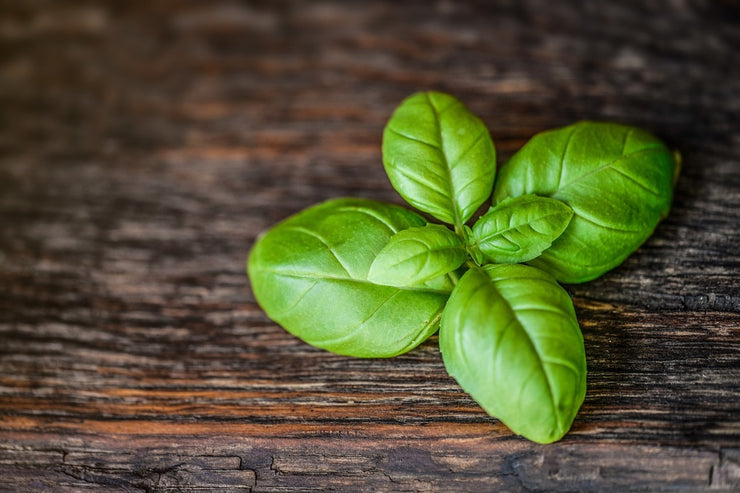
column 310, row 274
column 418, row 255
column 617, row 179
column 520, row 229
column 510, row 337
column 439, row 157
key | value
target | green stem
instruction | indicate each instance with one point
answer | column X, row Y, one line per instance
column 678, row 159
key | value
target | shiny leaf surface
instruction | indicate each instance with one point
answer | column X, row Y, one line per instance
column 439, row 157
column 418, row 255
column 519, row 228
column 510, row 337
column 617, row 179
column 310, row 274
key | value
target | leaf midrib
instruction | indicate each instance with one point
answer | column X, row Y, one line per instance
column 323, row 277
column 529, row 339
column 448, row 169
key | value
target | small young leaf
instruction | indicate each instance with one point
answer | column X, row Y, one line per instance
column 309, row 274
column 520, row 229
column 439, row 157
column 510, row 337
column 417, row 255
column 617, row 179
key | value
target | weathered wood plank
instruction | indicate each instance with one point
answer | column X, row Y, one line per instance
column 643, row 368
column 349, row 460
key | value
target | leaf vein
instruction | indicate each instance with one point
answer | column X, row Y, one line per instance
column 602, row 225
column 373, row 215
column 318, row 237
column 562, row 157
column 448, row 169
column 415, row 139
column 564, row 363
column 604, row 166
column 297, row 302
column 352, row 331
column 634, row 180
column 421, row 180
column 465, row 152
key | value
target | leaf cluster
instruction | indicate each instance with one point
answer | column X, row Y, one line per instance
column 367, row 279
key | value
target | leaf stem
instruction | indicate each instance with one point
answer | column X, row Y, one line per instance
column 678, row 159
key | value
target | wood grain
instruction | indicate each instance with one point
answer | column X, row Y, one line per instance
column 145, row 145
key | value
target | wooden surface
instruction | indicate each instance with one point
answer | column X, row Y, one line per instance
column 144, row 145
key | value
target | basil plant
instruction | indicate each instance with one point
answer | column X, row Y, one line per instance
column 372, row 280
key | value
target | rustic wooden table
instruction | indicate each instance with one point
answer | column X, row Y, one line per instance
column 144, row 145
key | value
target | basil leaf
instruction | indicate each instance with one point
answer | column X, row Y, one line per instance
column 510, row 337
column 309, row 274
column 439, row 157
column 418, row 255
column 617, row 179
column 520, row 229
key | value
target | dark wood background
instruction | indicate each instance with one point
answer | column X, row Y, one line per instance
column 144, row 145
